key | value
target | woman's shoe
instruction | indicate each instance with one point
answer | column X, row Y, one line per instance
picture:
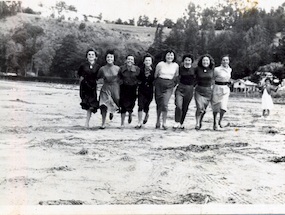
column 157, row 126
column 176, row 125
column 130, row 118
column 197, row 127
column 102, row 127
column 145, row 118
column 138, row 127
column 164, row 127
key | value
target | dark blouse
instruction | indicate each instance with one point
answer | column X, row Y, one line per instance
column 204, row 76
column 146, row 77
column 186, row 76
column 129, row 76
column 88, row 72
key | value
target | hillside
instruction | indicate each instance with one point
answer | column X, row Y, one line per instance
column 142, row 34
column 39, row 45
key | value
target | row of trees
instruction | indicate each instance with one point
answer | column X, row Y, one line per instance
column 144, row 21
column 246, row 34
column 56, row 48
column 9, row 8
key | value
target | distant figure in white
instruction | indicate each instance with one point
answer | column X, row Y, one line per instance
column 266, row 100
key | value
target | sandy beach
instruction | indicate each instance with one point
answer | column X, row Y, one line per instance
column 49, row 158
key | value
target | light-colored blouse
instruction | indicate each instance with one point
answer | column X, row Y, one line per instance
column 222, row 74
column 166, row 70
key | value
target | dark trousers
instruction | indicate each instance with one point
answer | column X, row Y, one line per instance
column 183, row 97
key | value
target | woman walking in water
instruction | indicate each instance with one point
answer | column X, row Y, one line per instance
column 87, row 73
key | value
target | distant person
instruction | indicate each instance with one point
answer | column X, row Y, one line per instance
column 166, row 73
column 87, row 73
column 204, row 73
column 145, row 89
column 266, row 100
column 184, row 90
column 110, row 91
column 128, row 74
column 221, row 90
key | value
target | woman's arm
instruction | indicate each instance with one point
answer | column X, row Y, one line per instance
column 157, row 71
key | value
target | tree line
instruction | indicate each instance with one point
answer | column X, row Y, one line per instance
column 246, row 34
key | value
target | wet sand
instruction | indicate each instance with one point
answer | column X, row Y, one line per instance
column 49, row 158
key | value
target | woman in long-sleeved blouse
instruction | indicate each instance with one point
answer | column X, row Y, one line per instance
column 145, row 89
column 128, row 74
column 87, row 73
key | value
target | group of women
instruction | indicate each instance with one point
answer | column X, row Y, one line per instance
column 122, row 86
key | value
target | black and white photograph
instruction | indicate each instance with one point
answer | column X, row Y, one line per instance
column 142, row 107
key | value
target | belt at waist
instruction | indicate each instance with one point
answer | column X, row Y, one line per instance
column 221, row 83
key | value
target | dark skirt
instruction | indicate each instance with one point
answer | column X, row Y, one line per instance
column 88, row 95
column 203, row 96
column 163, row 92
column 145, row 96
column 128, row 96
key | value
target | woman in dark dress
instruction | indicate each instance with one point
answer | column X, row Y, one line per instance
column 184, row 90
column 204, row 74
column 128, row 74
column 87, row 73
column 145, row 89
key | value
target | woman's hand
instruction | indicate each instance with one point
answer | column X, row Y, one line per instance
column 80, row 79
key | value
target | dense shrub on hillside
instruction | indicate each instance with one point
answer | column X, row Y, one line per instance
column 29, row 11
column 50, row 48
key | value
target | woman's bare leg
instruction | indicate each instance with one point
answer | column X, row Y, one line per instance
column 104, row 115
column 88, row 116
column 222, row 113
column 164, row 116
column 123, row 116
column 215, row 120
column 158, row 113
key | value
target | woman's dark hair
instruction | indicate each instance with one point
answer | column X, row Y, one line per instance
column 91, row 50
column 148, row 55
column 111, row 52
column 189, row 56
column 169, row 51
column 212, row 62
column 130, row 55
column 267, row 79
column 225, row 55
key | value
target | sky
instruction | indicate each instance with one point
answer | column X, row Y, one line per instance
column 128, row 9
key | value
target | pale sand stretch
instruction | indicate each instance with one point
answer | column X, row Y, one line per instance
column 48, row 157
